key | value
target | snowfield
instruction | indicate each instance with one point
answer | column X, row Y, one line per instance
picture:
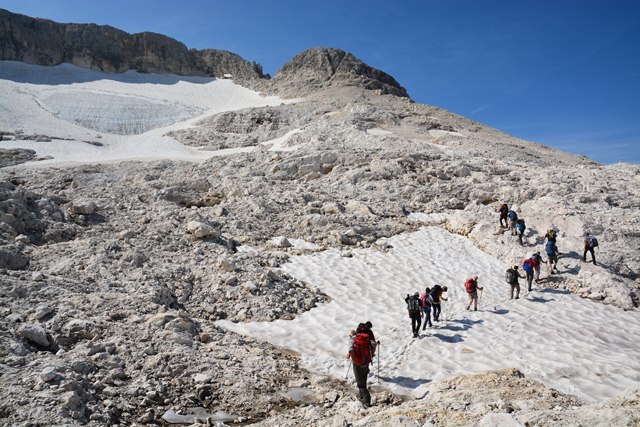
column 128, row 113
column 569, row 343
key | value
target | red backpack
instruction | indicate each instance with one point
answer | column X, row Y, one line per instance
column 470, row 285
column 362, row 349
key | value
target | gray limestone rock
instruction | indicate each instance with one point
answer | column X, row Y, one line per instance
column 35, row 334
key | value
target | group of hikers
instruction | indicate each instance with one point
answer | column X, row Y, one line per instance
column 363, row 345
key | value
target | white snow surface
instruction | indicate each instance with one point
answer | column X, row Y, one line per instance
column 129, row 113
column 570, row 343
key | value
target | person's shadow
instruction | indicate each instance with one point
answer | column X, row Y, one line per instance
column 406, row 382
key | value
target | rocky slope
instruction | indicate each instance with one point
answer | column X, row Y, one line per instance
column 112, row 275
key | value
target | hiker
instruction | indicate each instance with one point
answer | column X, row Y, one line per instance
column 521, row 226
column 528, row 266
column 415, row 312
column 504, row 215
column 513, row 219
column 361, row 356
column 552, row 234
column 471, row 286
column 436, row 296
column 512, row 276
column 372, row 338
column 536, row 268
column 425, row 302
column 552, row 256
column 590, row 242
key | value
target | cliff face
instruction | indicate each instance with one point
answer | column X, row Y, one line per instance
column 104, row 48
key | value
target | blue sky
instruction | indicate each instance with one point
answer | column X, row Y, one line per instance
column 565, row 73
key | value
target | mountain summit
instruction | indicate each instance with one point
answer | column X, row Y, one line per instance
column 321, row 67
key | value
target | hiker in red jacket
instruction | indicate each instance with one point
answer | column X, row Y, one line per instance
column 529, row 266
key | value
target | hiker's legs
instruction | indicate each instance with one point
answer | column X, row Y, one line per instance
column 436, row 312
column 529, row 279
column 593, row 255
column 517, row 286
column 537, row 271
column 520, row 237
column 415, row 324
column 427, row 317
column 512, row 287
column 361, row 373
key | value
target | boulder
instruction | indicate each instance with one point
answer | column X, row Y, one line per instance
column 201, row 230
column 35, row 334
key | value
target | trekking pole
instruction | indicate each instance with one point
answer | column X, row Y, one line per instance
column 378, row 362
column 348, row 369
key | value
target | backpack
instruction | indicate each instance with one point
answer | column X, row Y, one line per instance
column 413, row 304
column 435, row 292
column 528, row 264
column 521, row 225
column 593, row 242
column 510, row 276
column 470, row 285
column 550, row 248
column 424, row 300
column 513, row 216
column 362, row 349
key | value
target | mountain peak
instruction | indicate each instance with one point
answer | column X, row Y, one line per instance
column 320, row 67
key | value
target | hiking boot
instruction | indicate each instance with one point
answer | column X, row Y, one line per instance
column 517, row 297
column 475, row 308
column 468, row 308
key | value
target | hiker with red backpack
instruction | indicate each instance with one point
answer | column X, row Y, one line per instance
column 536, row 268
column 528, row 266
column 425, row 302
column 361, row 356
column 415, row 312
column 504, row 215
column 471, row 286
column 372, row 338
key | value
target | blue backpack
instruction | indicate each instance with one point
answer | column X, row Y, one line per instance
column 550, row 248
column 527, row 265
column 521, row 226
column 513, row 215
